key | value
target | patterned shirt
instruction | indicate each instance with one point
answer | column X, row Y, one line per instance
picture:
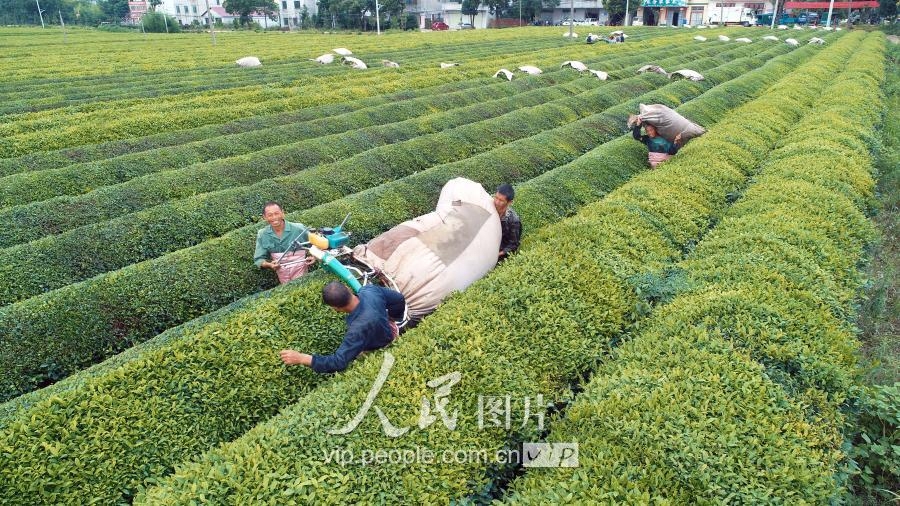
column 511, row 227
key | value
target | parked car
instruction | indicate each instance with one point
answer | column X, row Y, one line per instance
column 439, row 25
column 465, row 26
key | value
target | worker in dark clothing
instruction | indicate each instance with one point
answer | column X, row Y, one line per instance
column 371, row 317
column 510, row 225
column 659, row 149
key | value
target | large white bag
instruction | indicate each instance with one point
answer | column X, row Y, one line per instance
column 436, row 254
column 248, row 62
column 669, row 123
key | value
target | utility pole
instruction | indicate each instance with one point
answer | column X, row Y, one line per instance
column 40, row 12
column 571, row 18
column 627, row 14
column 212, row 32
column 63, row 23
column 830, row 8
column 721, row 14
column 377, row 18
column 775, row 15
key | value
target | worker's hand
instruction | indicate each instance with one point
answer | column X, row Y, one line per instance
column 678, row 139
column 291, row 357
column 310, row 260
column 395, row 329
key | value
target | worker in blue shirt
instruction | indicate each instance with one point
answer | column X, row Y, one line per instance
column 371, row 317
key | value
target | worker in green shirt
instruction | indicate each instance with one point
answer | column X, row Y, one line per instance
column 273, row 242
column 659, row 149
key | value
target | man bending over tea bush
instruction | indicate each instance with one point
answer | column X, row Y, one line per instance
column 371, row 317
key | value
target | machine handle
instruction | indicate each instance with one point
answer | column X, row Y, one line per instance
column 333, row 265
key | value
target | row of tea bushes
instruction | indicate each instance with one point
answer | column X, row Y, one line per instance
column 152, row 296
column 49, row 94
column 211, row 142
column 165, row 183
column 52, row 130
column 733, row 391
column 364, row 158
column 175, row 387
column 531, row 327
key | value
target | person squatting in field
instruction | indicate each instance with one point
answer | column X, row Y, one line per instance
column 371, row 318
column 510, row 225
column 273, row 241
column 659, row 149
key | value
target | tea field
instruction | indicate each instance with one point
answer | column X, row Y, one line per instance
column 691, row 327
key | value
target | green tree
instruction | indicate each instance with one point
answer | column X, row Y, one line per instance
column 115, row 10
column 531, row 8
column 390, row 8
column 326, row 11
column 470, row 8
column 304, row 16
column 87, row 13
column 158, row 22
column 887, row 9
column 616, row 10
column 244, row 8
column 498, row 7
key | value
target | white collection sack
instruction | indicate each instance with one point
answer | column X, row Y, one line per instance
column 248, row 62
column 669, row 123
column 432, row 256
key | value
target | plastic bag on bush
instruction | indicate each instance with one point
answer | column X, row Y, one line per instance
column 432, row 256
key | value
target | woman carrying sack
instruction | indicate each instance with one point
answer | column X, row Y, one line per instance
column 667, row 131
column 659, row 149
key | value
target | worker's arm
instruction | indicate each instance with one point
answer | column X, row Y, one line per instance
column 675, row 145
column 394, row 302
column 636, row 133
column 349, row 349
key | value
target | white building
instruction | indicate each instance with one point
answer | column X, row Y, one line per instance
column 429, row 11
column 188, row 11
column 185, row 11
column 220, row 15
column 696, row 12
column 584, row 10
column 290, row 11
column 652, row 12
